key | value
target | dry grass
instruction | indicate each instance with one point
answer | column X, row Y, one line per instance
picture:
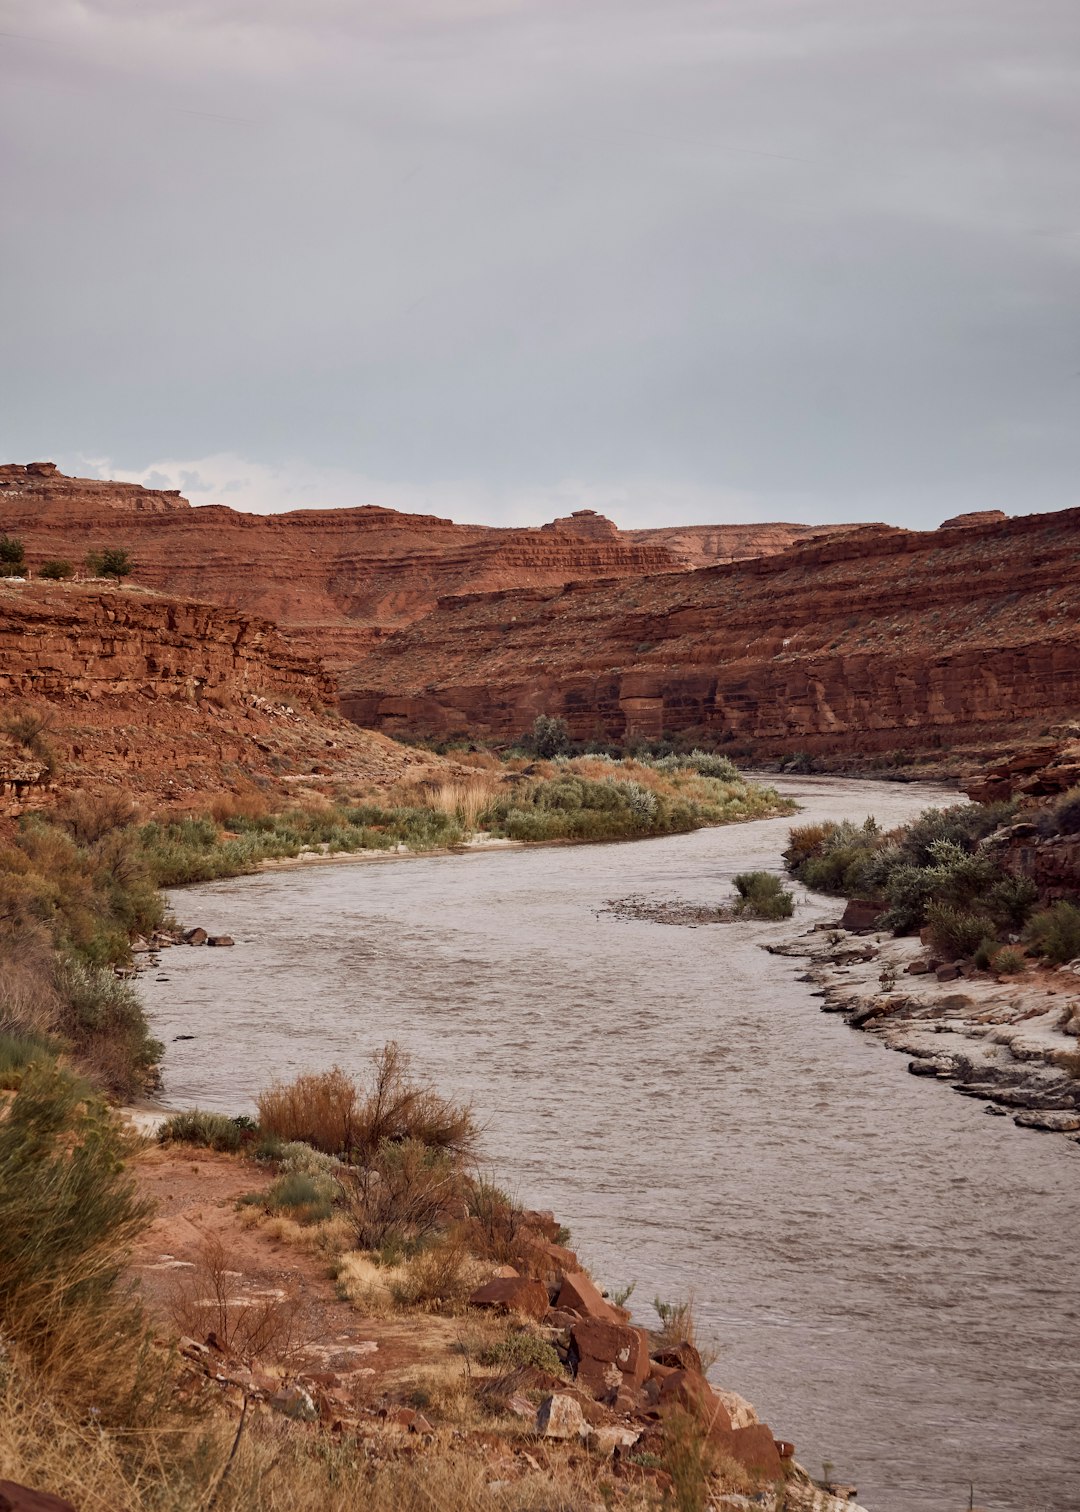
column 465, row 798
column 441, row 1278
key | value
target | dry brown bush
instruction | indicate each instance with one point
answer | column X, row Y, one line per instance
column 441, row 1277
column 207, row 1303
column 401, row 1195
column 29, row 1001
column 89, row 817
column 329, row 1110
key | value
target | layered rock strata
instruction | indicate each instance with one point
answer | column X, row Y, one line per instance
column 875, row 640
column 169, row 700
column 338, row 580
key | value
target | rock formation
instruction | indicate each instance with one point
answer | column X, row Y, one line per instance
column 872, row 641
column 167, row 699
column 338, row 580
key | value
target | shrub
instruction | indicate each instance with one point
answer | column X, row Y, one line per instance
column 1067, row 813
column 208, row 1300
column 18, row 1052
column 307, row 1198
column 548, row 737
column 1055, row 932
column 108, row 1029
column 332, row 1112
column 957, row 931
column 1007, row 961
column 197, row 1126
column 440, row 1278
column 763, row 896
column 12, row 554
column 113, row 562
column 68, row 1211
column 521, row 1350
column 56, row 570
column 401, row 1195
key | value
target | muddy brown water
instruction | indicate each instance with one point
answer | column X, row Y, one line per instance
column 890, row 1274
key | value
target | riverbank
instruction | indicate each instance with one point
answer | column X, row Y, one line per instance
column 1011, row 1043
column 403, row 1379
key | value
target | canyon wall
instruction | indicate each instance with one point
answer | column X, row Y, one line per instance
column 872, row 641
column 168, row 700
column 339, row 580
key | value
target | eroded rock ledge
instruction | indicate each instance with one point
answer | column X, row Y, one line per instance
column 1012, row 1044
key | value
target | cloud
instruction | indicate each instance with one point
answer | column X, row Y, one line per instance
column 817, row 256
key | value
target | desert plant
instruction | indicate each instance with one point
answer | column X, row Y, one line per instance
column 438, row 1278
column 197, row 1126
column 401, row 1195
column 762, row 896
column 958, row 931
column 305, row 1198
column 208, row 1301
column 56, row 569
column 12, row 555
column 1007, row 961
column 1055, row 932
column 548, row 737
column 112, row 562
column 689, row 1459
column 68, row 1211
column 521, row 1349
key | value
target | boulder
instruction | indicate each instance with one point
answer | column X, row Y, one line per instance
column 578, row 1293
column 1052, row 1122
column 294, row 1402
column 682, row 1356
column 16, row 1498
column 559, row 1416
column 690, row 1390
column 754, row 1448
column 740, row 1411
column 195, row 937
column 518, row 1294
column 220, row 940
column 861, row 915
column 917, row 967
column 609, row 1356
column 947, row 973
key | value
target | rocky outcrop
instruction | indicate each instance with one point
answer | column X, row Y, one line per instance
column 1038, row 770
column 871, row 641
column 336, row 580
column 169, row 700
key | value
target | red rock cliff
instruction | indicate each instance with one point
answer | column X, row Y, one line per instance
column 874, row 640
column 338, row 580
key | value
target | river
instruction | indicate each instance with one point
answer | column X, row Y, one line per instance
column 890, row 1274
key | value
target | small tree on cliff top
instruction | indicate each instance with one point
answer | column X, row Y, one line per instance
column 112, row 562
column 11, row 556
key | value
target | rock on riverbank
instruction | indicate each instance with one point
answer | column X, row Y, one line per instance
column 1012, row 1043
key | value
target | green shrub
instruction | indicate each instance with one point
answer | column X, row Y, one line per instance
column 17, row 1052
column 308, row 1199
column 1055, row 933
column 12, row 555
column 68, row 1211
column 113, row 562
column 56, row 570
column 763, row 896
column 197, row 1126
column 520, row 1350
column 107, row 1027
column 958, row 931
column 1007, row 961
column 548, row 737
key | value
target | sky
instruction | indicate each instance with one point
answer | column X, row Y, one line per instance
column 677, row 260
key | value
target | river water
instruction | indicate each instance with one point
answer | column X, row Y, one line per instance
column 891, row 1276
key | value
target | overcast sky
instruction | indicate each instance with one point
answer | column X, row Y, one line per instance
column 678, row 260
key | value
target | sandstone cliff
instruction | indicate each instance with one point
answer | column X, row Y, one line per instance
column 165, row 698
column 339, row 580
column 874, row 640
